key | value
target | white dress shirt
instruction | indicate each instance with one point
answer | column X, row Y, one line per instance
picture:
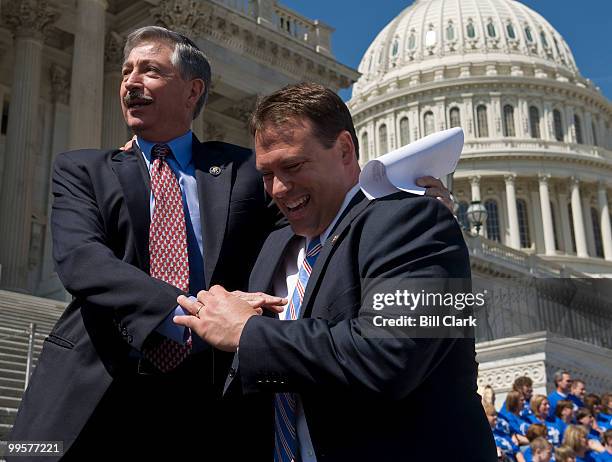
column 284, row 285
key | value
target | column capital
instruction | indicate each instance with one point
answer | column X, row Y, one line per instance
column 474, row 180
column 574, row 181
column 113, row 51
column 29, row 18
column 60, row 83
column 510, row 178
column 543, row 178
column 182, row 16
column 602, row 185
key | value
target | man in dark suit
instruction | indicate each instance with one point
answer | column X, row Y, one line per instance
column 341, row 390
column 104, row 383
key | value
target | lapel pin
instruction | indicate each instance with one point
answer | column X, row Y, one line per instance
column 334, row 239
column 215, row 170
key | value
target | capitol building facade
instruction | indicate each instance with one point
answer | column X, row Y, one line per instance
column 538, row 150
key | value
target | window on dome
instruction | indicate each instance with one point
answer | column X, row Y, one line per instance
column 462, row 215
column 534, row 122
column 380, row 56
column 554, row 224
column 455, row 118
column 594, row 130
column 578, row 128
column 383, row 143
column 364, row 146
column 528, row 34
column 543, row 38
column 404, row 131
column 558, row 125
column 556, row 46
column 492, row 222
column 428, row 123
column 471, row 31
column 450, row 32
column 523, row 219
column 599, row 251
column 510, row 31
column 370, row 61
column 481, row 118
column 509, row 121
column 395, row 48
column 412, row 41
column 430, row 38
column 491, row 30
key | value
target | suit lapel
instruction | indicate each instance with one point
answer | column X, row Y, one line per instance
column 134, row 178
column 214, row 178
column 355, row 207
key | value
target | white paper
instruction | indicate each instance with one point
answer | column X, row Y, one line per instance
column 435, row 155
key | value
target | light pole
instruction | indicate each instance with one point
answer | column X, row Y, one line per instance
column 477, row 215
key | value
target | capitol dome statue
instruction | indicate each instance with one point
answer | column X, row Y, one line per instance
column 538, row 149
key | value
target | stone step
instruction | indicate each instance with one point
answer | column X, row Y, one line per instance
column 12, row 382
column 12, row 373
column 7, row 415
column 11, row 391
column 5, row 429
column 12, row 365
column 9, row 401
column 19, row 351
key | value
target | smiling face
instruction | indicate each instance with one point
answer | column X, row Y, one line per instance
column 307, row 180
column 544, row 408
column 157, row 102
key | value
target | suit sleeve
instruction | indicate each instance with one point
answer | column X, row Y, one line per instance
column 418, row 239
column 87, row 266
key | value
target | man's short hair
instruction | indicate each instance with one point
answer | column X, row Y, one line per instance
column 187, row 58
column 522, row 381
column 321, row 106
column 576, row 382
column 539, row 444
column 559, row 376
column 583, row 412
column 536, row 430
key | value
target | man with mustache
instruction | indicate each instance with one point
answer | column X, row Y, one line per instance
column 340, row 389
column 133, row 230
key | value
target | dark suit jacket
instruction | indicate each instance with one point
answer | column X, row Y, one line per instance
column 100, row 225
column 370, row 399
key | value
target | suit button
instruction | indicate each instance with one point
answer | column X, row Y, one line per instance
column 124, row 332
column 130, row 339
column 232, row 372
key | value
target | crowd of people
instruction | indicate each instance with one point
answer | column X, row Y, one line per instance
column 568, row 425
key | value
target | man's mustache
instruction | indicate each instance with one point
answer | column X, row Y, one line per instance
column 136, row 96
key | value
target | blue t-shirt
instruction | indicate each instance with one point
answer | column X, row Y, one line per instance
column 553, row 399
column 574, row 399
column 588, row 457
column 553, row 430
column 505, row 443
column 604, row 420
column 602, row 456
column 515, row 422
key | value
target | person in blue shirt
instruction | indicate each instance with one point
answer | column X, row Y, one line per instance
column 604, row 418
column 606, row 456
column 585, row 418
column 523, row 385
column 577, row 393
column 503, row 441
column 540, row 450
column 540, row 408
column 517, row 425
column 564, row 454
column 575, row 437
column 593, row 403
column 563, row 382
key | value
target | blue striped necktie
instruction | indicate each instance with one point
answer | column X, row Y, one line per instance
column 285, row 422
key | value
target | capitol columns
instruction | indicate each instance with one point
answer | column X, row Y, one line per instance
column 114, row 132
column 547, row 220
column 515, row 241
column 604, row 218
column 87, row 75
column 577, row 217
column 28, row 19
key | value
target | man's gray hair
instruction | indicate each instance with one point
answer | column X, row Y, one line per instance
column 190, row 61
column 559, row 375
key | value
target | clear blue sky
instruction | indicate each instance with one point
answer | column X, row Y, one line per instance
column 586, row 25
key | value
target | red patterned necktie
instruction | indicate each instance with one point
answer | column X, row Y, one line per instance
column 169, row 258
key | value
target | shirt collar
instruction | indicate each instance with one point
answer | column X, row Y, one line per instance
column 347, row 199
column 181, row 148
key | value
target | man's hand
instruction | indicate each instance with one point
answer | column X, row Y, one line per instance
column 436, row 188
column 128, row 145
column 219, row 316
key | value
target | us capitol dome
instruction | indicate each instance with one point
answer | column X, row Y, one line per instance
column 538, row 144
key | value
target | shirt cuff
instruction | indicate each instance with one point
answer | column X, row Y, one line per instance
column 173, row 331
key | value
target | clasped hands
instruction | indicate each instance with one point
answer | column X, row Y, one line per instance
column 219, row 316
